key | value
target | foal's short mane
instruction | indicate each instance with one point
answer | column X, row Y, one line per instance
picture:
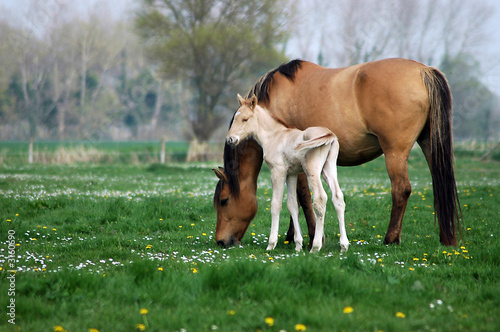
column 281, row 121
column 232, row 154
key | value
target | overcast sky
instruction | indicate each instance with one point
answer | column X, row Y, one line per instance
column 17, row 11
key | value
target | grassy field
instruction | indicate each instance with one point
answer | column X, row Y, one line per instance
column 124, row 248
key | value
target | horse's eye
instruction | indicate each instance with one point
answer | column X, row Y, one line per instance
column 245, row 120
column 223, row 202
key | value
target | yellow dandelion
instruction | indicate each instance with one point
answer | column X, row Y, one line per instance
column 415, row 259
column 160, row 269
column 140, row 327
column 204, row 234
column 253, row 234
column 194, row 270
column 93, row 330
column 59, row 328
column 287, row 242
column 269, row 321
column 231, row 312
column 412, row 269
column 400, row 314
column 300, row 327
column 149, row 246
column 347, row 310
column 144, row 311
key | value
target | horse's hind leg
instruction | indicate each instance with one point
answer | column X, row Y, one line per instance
column 330, row 176
column 397, row 168
column 293, row 208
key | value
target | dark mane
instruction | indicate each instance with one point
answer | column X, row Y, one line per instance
column 261, row 87
column 232, row 154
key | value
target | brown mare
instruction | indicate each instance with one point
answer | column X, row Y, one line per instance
column 377, row 107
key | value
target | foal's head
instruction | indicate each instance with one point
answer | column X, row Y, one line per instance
column 244, row 121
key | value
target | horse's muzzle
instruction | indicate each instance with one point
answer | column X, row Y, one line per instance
column 225, row 244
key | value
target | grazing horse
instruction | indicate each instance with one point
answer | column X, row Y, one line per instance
column 380, row 107
column 287, row 152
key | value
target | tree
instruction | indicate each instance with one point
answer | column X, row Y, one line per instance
column 211, row 44
column 347, row 32
column 473, row 102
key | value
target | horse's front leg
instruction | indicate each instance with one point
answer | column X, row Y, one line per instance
column 293, row 208
column 278, row 182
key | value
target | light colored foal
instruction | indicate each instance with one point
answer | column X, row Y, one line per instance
column 288, row 152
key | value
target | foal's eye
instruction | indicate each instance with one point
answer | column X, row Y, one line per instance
column 245, row 120
column 223, row 202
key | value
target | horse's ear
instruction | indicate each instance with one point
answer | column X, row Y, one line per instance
column 241, row 100
column 253, row 102
column 219, row 172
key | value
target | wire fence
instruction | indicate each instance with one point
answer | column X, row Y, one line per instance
column 146, row 152
column 151, row 152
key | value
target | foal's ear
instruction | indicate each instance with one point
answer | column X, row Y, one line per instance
column 241, row 100
column 253, row 102
column 219, row 172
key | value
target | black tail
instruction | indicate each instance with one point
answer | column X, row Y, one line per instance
column 446, row 202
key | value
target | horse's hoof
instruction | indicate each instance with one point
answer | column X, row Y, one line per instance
column 344, row 248
column 298, row 247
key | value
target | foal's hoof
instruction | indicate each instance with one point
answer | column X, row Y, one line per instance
column 315, row 249
column 344, row 247
column 271, row 246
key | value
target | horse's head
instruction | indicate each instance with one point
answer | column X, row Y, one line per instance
column 244, row 122
column 234, row 211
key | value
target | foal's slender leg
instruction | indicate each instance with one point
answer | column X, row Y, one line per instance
column 319, row 204
column 278, row 181
column 305, row 201
column 330, row 176
column 293, row 208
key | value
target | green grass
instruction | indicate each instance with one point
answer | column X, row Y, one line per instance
column 97, row 243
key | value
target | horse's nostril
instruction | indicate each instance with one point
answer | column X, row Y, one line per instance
column 221, row 243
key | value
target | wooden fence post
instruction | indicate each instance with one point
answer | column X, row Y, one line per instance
column 162, row 151
column 30, row 151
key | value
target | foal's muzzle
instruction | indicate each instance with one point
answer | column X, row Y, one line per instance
column 232, row 140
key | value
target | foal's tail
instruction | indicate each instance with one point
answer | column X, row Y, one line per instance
column 316, row 142
column 446, row 202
